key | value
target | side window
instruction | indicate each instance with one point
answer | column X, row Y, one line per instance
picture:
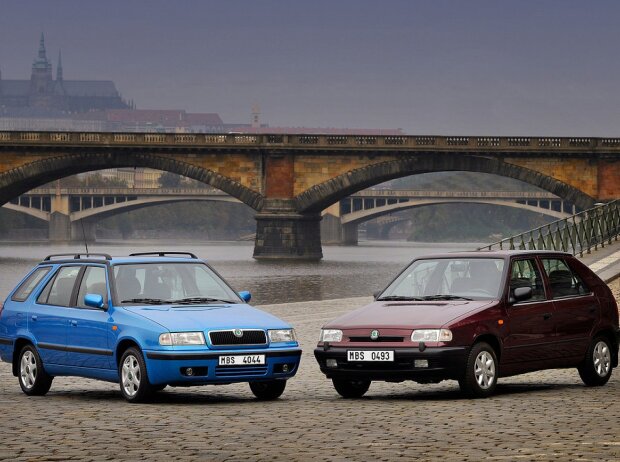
column 26, row 287
column 563, row 281
column 58, row 291
column 93, row 282
column 525, row 273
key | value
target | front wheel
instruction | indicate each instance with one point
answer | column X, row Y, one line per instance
column 596, row 368
column 33, row 379
column 267, row 391
column 135, row 385
column 351, row 388
column 480, row 378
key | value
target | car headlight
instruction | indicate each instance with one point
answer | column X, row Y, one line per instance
column 282, row 335
column 431, row 335
column 330, row 335
column 182, row 338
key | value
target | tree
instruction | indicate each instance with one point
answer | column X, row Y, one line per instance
column 170, row 180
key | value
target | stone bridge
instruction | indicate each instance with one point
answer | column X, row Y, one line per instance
column 290, row 179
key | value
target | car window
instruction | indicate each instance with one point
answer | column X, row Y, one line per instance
column 562, row 280
column 475, row 278
column 93, row 282
column 169, row 281
column 26, row 287
column 525, row 273
column 61, row 287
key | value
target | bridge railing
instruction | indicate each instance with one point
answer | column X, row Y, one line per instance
column 578, row 234
column 309, row 141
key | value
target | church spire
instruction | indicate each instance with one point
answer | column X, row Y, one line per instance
column 42, row 55
column 59, row 67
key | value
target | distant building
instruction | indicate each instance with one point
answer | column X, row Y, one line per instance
column 44, row 96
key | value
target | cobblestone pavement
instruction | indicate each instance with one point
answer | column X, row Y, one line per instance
column 541, row 416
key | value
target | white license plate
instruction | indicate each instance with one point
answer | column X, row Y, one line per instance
column 242, row 360
column 369, row 355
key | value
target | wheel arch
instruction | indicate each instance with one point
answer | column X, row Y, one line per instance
column 20, row 343
column 492, row 340
column 122, row 346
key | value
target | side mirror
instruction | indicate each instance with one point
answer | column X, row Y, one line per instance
column 245, row 296
column 93, row 300
column 376, row 294
column 521, row 293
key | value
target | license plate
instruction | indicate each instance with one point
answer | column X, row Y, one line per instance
column 242, row 360
column 369, row 355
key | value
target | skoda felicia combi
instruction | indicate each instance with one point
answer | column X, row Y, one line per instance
column 475, row 317
column 145, row 321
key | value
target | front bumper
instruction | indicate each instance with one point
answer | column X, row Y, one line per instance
column 443, row 363
column 169, row 367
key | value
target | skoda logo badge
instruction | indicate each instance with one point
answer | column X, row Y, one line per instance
column 374, row 335
column 238, row 333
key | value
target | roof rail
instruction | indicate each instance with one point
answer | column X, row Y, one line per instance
column 77, row 256
column 163, row 254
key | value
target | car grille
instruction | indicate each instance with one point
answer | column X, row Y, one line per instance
column 240, row 371
column 380, row 339
column 227, row 337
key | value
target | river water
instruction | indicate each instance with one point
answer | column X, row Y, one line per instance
column 343, row 272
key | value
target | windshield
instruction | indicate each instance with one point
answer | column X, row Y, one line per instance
column 448, row 279
column 178, row 283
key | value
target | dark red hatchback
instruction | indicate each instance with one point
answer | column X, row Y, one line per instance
column 475, row 317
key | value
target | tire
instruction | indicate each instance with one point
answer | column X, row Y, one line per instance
column 351, row 389
column 481, row 372
column 134, row 381
column 32, row 377
column 597, row 366
column 268, row 391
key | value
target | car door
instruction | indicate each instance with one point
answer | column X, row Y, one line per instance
column 531, row 329
column 89, row 329
column 576, row 308
column 48, row 319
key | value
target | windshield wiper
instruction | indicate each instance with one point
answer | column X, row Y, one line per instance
column 192, row 300
column 400, row 297
column 148, row 301
column 445, row 297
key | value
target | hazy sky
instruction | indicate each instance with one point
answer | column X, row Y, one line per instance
column 492, row 67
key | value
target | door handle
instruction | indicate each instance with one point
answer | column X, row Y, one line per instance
column 33, row 317
column 73, row 322
column 546, row 316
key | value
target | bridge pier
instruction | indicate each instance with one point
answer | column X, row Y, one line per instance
column 59, row 227
column 349, row 234
column 282, row 233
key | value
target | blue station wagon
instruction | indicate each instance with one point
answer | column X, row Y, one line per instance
column 144, row 321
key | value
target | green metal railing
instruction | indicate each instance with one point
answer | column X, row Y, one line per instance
column 578, row 234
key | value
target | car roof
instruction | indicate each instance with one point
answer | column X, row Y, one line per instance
column 155, row 257
column 504, row 254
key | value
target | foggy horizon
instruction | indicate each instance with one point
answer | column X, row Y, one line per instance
column 443, row 68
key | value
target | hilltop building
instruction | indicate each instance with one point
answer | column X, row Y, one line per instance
column 43, row 95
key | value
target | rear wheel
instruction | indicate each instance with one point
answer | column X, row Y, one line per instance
column 481, row 372
column 267, row 391
column 596, row 368
column 33, row 379
column 351, row 388
column 134, row 383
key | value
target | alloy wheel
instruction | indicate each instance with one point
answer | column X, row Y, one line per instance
column 484, row 370
column 28, row 369
column 131, row 375
column 602, row 359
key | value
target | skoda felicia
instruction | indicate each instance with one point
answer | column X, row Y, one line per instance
column 475, row 317
column 144, row 321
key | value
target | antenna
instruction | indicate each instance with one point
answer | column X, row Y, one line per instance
column 84, row 236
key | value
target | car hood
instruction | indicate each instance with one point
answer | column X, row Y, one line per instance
column 388, row 314
column 208, row 317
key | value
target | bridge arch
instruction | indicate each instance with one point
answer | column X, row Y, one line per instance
column 369, row 214
column 321, row 196
column 22, row 179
